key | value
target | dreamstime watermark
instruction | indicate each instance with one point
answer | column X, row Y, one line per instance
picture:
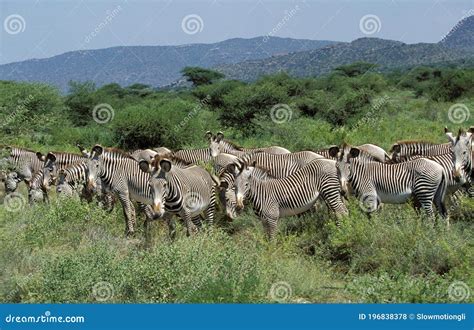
column 192, row 24
column 198, row 107
column 281, row 113
column 466, row 14
column 14, row 202
column 371, row 116
column 370, row 24
column 369, row 202
column 280, row 291
column 458, row 113
column 14, row 24
column 103, row 113
column 103, row 291
column 459, row 291
column 47, row 317
column 288, row 16
column 111, row 14
column 20, row 109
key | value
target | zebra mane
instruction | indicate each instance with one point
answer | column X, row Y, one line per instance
column 21, row 148
column 119, row 152
column 416, row 142
column 171, row 157
column 233, row 145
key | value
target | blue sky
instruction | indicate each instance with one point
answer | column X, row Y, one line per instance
column 44, row 28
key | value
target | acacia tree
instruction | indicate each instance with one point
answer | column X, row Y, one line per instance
column 199, row 76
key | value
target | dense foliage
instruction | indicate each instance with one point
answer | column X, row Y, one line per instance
column 59, row 252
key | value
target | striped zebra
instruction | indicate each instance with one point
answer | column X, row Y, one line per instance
column 281, row 166
column 25, row 163
column 462, row 156
column 227, row 197
column 194, row 156
column 218, row 145
column 36, row 190
column 292, row 195
column 401, row 150
column 187, row 192
column 56, row 161
column 375, row 182
column 376, row 152
column 122, row 175
column 71, row 181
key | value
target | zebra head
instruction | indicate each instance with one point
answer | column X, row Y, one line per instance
column 93, row 168
column 62, row 187
column 396, row 153
column 215, row 143
column 462, row 152
column 227, row 192
column 343, row 157
column 157, row 181
column 240, row 174
column 49, row 170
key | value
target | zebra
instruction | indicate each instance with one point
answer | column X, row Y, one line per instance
column 401, row 150
column 56, row 161
column 25, row 163
column 295, row 194
column 218, row 144
column 122, row 175
column 462, row 151
column 71, row 181
column 36, row 188
column 228, row 196
column 377, row 153
column 187, row 192
column 375, row 182
column 281, row 166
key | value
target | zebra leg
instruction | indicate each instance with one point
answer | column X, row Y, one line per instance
column 171, row 225
column 270, row 222
column 190, row 227
column 209, row 212
column 129, row 214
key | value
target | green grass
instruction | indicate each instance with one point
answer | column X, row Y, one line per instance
column 73, row 252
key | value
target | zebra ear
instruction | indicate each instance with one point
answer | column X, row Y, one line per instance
column 83, row 150
column 219, row 136
column 224, row 185
column 354, row 152
column 50, row 157
column 333, row 151
column 144, row 166
column 165, row 165
column 97, row 150
column 40, row 156
column 396, row 148
column 231, row 168
column 208, row 135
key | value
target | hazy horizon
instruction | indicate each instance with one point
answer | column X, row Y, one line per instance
column 49, row 28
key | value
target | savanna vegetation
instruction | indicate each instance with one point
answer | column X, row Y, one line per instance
column 62, row 251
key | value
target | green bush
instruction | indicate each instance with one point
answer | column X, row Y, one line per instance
column 172, row 123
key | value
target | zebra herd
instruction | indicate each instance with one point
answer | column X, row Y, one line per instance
column 277, row 182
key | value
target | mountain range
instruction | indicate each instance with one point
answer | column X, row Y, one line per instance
column 243, row 59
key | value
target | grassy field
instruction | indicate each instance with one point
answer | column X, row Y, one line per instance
column 70, row 251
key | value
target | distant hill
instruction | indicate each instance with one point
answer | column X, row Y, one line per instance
column 461, row 35
column 387, row 54
column 151, row 65
column 243, row 59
